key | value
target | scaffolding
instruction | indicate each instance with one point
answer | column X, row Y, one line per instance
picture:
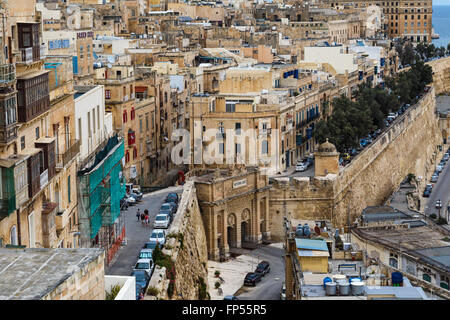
column 101, row 188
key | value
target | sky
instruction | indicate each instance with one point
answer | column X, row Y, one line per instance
column 441, row 2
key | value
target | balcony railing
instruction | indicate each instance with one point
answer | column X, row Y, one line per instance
column 26, row 55
column 7, row 73
column 31, row 54
column 62, row 159
column 44, row 178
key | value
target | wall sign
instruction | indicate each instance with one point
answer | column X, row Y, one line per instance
column 58, row 44
column 239, row 183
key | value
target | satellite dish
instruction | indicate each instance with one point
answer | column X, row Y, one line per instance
column 109, row 65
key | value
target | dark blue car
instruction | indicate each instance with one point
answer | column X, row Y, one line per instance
column 142, row 280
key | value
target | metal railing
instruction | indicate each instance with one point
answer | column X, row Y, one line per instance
column 71, row 152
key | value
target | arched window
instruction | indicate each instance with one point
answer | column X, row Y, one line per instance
column 426, row 277
column 13, row 236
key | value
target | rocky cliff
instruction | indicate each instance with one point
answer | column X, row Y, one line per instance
column 441, row 75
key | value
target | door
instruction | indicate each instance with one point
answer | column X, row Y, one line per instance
column 31, row 232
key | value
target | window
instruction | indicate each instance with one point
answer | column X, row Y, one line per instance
column 140, row 124
column 265, row 147
column 135, row 153
column 22, row 142
column 238, row 128
column 125, row 116
column 93, row 119
column 13, row 236
column 89, row 124
column 107, row 94
column 98, row 117
column 230, row 107
column 37, row 133
column 221, row 148
column 238, row 148
column 146, row 121
column 68, row 188
column 165, row 97
column 127, row 156
column 132, row 113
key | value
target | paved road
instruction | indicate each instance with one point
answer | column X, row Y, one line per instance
column 441, row 190
column 136, row 233
column 270, row 286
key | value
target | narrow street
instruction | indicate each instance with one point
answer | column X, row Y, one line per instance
column 441, row 190
column 136, row 233
column 269, row 287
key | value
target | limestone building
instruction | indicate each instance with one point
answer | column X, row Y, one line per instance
column 235, row 209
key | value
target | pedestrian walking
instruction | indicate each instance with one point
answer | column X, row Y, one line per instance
column 138, row 214
column 146, row 216
column 143, row 218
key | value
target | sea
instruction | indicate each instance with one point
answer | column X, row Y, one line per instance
column 441, row 25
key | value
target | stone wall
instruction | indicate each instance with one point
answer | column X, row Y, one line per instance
column 189, row 251
column 86, row 283
column 441, row 75
column 409, row 146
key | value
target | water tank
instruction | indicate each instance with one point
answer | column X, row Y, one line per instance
column 306, row 230
column 337, row 277
column 357, row 287
column 344, row 288
column 397, row 279
column 330, row 288
column 355, row 279
column 299, row 231
column 325, row 280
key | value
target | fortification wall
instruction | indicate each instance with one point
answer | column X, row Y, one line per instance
column 441, row 75
column 186, row 245
column 409, row 146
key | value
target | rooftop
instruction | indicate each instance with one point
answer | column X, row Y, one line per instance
column 30, row 274
column 443, row 104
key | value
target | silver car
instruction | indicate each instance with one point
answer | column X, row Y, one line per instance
column 162, row 221
column 146, row 265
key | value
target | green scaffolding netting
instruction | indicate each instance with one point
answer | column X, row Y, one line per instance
column 105, row 188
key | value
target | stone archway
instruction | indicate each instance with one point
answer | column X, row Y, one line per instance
column 231, row 231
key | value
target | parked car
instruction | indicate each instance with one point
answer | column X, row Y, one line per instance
column 158, row 236
column 446, row 156
column 168, row 212
column 230, row 297
column 168, row 206
column 426, row 193
column 362, row 143
column 142, row 280
column 146, row 254
column 283, row 292
column 144, row 265
column 263, row 267
column 346, row 156
column 439, row 168
column 130, row 200
column 301, row 167
column 434, row 178
column 161, row 221
column 172, row 197
column 252, row 278
column 139, row 289
column 137, row 196
column 429, row 186
column 150, row 245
